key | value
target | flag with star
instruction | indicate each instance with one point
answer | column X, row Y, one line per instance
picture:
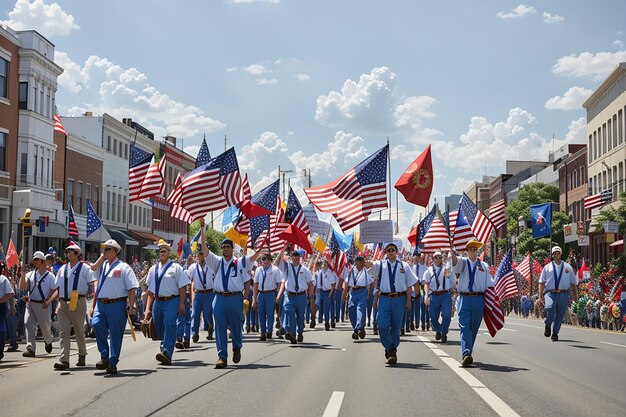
column 93, row 221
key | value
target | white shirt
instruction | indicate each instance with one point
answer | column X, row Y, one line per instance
column 119, row 280
column 33, row 278
column 324, row 279
column 268, row 278
column 567, row 276
column 82, row 280
column 5, row 287
column 358, row 278
column 195, row 273
column 236, row 273
column 404, row 275
column 172, row 279
column 482, row 277
column 419, row 270
column 304, row 277
column 434, row 273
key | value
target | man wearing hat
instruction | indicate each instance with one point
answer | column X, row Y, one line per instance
column 40, row 286
column 394, row 283
column 232, row 278
column 357, row 284
column 419, row 308
column 264, row 296
column 298, row 282
column 437, row 285
column 116, row 287
column 6, row 294
column 325, row 283
column 556, row 279
column 167, row 287
column 202, row 278
column 72, row 283
column 474, row 279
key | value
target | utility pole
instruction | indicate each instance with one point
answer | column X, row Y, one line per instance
column 282, row 173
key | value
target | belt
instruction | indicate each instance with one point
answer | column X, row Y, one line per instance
column 112, row 300
column 417, row 297
column 324, row 290
column 358, row 288
column 202, row 291
column 229, row 294
column 67, row 299
column 169, row 297
column 557, row 291
column 295, row 294
column 440, row 292
column 36, row 301
column 392, row 294
column 266, row 292
column 472, row 294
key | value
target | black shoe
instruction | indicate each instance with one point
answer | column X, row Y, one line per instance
column 61, row 365
column 269, row 336
column 263, row 338
column 13, row 349
column 467, row 361
column 438, row 336
column 281, row 332
column 423, row 327
column 81, row 360
column 407, row 330
column 28, row 354
column 300, row 338
column 362, row 334
column 332, row 324
column 247, row 329
column 186, row 344
column 555, row 337
column 355, row 335
column 547, row 332
column 327, row 326
column 428, row 327
column 111, row 370
column 195, row 338
column 444, row 338
column 289, row 336
column 163, row 358
column 236, row 355
column 221, row 363
column 393, row 358
column 102, row 364
column 402, row 332
column 179, row 344
column 49, row 347
column 412, row 327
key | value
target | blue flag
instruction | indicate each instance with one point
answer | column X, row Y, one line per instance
column 343, row 241
column 541, row 215
column 204, row 156
column 93, row 221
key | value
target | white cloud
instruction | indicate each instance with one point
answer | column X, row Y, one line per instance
column 192, row 150
column 571, row 100
column 101, row 86
column 48, row 19
column 577, row 131
column 253, row 1
column 618, row 44
column 373, row 104
column 231, row 69
column 552, row 18
column 302, row 77
column 256, row 69
column 265, row 81
column 262, row 158
column 460, row 185
column 595, row 66
column 519, row 11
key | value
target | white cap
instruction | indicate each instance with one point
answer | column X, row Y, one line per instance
column 113, row 244
column 437, row 253
column 39, row 255
column 74, row 246
column 556, row 249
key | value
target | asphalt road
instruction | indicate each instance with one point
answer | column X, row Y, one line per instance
column 519, row 372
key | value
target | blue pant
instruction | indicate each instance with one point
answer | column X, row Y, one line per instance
column 622, row 310
column 470, row 317
column 342, row 312
column 109, row 320
column 11, row 328
column 424, row 312
column 202, row 304
column 293, row 309
column 370, row 306
column 357, row 308
column 165, row 317
column 324, row 305
column 183, row 323
column 252, row 317
column 3, row 314
column 265, row 304
column 441, row 305
column 336, row 310
column 228, row 314
column 555, row 307
column 389, row 320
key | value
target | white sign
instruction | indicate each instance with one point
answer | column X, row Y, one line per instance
column 315, row 224
column 569, row 232
column 583, row 240
column 377, row 231
column 611, row 227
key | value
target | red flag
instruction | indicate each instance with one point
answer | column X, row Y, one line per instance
column 12, row 258
column 253, row 210
column 416, row 183
column 582, row 270
column 293, row 234
column 58, row 126
column 492, row 313
column 180, row 246
column 412, row 237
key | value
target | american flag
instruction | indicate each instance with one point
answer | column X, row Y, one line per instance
column 497, row 214
column 93, row 221
column 58, row 126
column 352, row 197
column 462, row 231
column 277, row 226
column 599, row 200
column 294, row 213
column 424, row 225
column 243, row 223
column 72, row 229
column 378, row 251
column 506, row 284
column 480, row 224
column 203, row 154
column 492, row 313
column 436, row 238
column 267, row 199
column 524, row 268
column 452, row 218
column 145, row 179
column 336, row 258
column 177, row 211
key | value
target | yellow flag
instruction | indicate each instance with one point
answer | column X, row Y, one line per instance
column 319, row 245
column 236, row 237
column 358, row 243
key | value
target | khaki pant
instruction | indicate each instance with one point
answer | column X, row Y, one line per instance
column 67, row 319
column 35, row 315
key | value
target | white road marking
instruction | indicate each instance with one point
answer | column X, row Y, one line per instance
column 526, row 325
column 334, row 404
column 495, row 402
column 613, row 344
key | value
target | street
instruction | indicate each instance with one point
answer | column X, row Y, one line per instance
column 519, row 372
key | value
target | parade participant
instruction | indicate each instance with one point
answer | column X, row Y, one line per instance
column 72, row 283
column 335, row 310
column 418, row 306
column 358, row 284
column 167, row 286
column 474, row 279
column 325, row 283
column 395, row 281
column 232, row 278
column 6, row 294
column 264, row 297
column 116, row 286
column 437, row 285
column 298, row 280
column 556, row 279
column 202, row 284
column 41, row 293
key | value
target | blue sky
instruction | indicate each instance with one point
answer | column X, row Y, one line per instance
column 321, row 84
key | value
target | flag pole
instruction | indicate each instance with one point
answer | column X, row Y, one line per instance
column 389, row 175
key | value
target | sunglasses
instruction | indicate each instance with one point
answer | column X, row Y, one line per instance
column 108, row 249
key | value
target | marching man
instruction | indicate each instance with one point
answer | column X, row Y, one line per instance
column 264, row 296
column 202, row 278
column 358, row 283
column 437, row 286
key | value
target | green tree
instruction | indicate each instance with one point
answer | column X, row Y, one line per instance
column 536, row 193
column 213, row 237
column 614, row 215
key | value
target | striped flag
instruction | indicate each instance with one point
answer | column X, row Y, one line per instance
column 145, row 178
column 462, row 231
column 352, row 197
column 479, row 223
column 424, row 225
column 267, row 199
column 492, row 313
column 277, row 225
column 497, row 214
column 93, row 221
column 336, row 258
column 72, row 229
column 177, row 211
column 294, row 213
column 58, row 126
column 506, row 284
column 204, row 156
column 599, row 200
column 436, row 238
column 452, row 218
column 524, row 268
column 243, row 223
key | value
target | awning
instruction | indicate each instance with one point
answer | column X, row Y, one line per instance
column 151, row 247
column 145, row 238
column 617, row 243
column 122, row 237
